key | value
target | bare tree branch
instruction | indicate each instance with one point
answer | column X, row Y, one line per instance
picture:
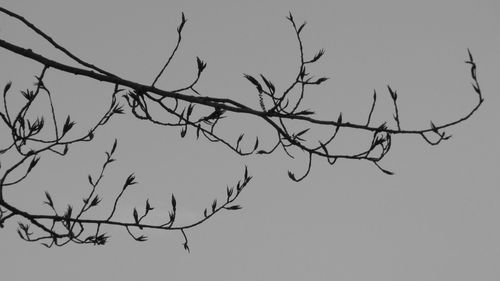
column 183, row 108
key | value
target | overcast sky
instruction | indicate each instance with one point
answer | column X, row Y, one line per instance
column 437, row 218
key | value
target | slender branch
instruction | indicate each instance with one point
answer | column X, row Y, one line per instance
column 372, row 108
column 51, row 41
column 394, row 97
column 172, row 54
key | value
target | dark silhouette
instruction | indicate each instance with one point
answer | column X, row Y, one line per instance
column 277, row 109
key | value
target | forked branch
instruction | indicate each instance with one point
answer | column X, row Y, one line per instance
column 188, row 109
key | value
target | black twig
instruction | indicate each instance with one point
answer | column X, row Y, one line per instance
column 172, row 54
column 372, row 108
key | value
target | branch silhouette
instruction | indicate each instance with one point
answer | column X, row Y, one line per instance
column 189, row 110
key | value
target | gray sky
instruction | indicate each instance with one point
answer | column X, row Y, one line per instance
column 435, row 219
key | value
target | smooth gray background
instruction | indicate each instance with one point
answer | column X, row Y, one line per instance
column 436, row 219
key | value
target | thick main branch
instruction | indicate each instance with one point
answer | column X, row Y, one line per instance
column 226, row 104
